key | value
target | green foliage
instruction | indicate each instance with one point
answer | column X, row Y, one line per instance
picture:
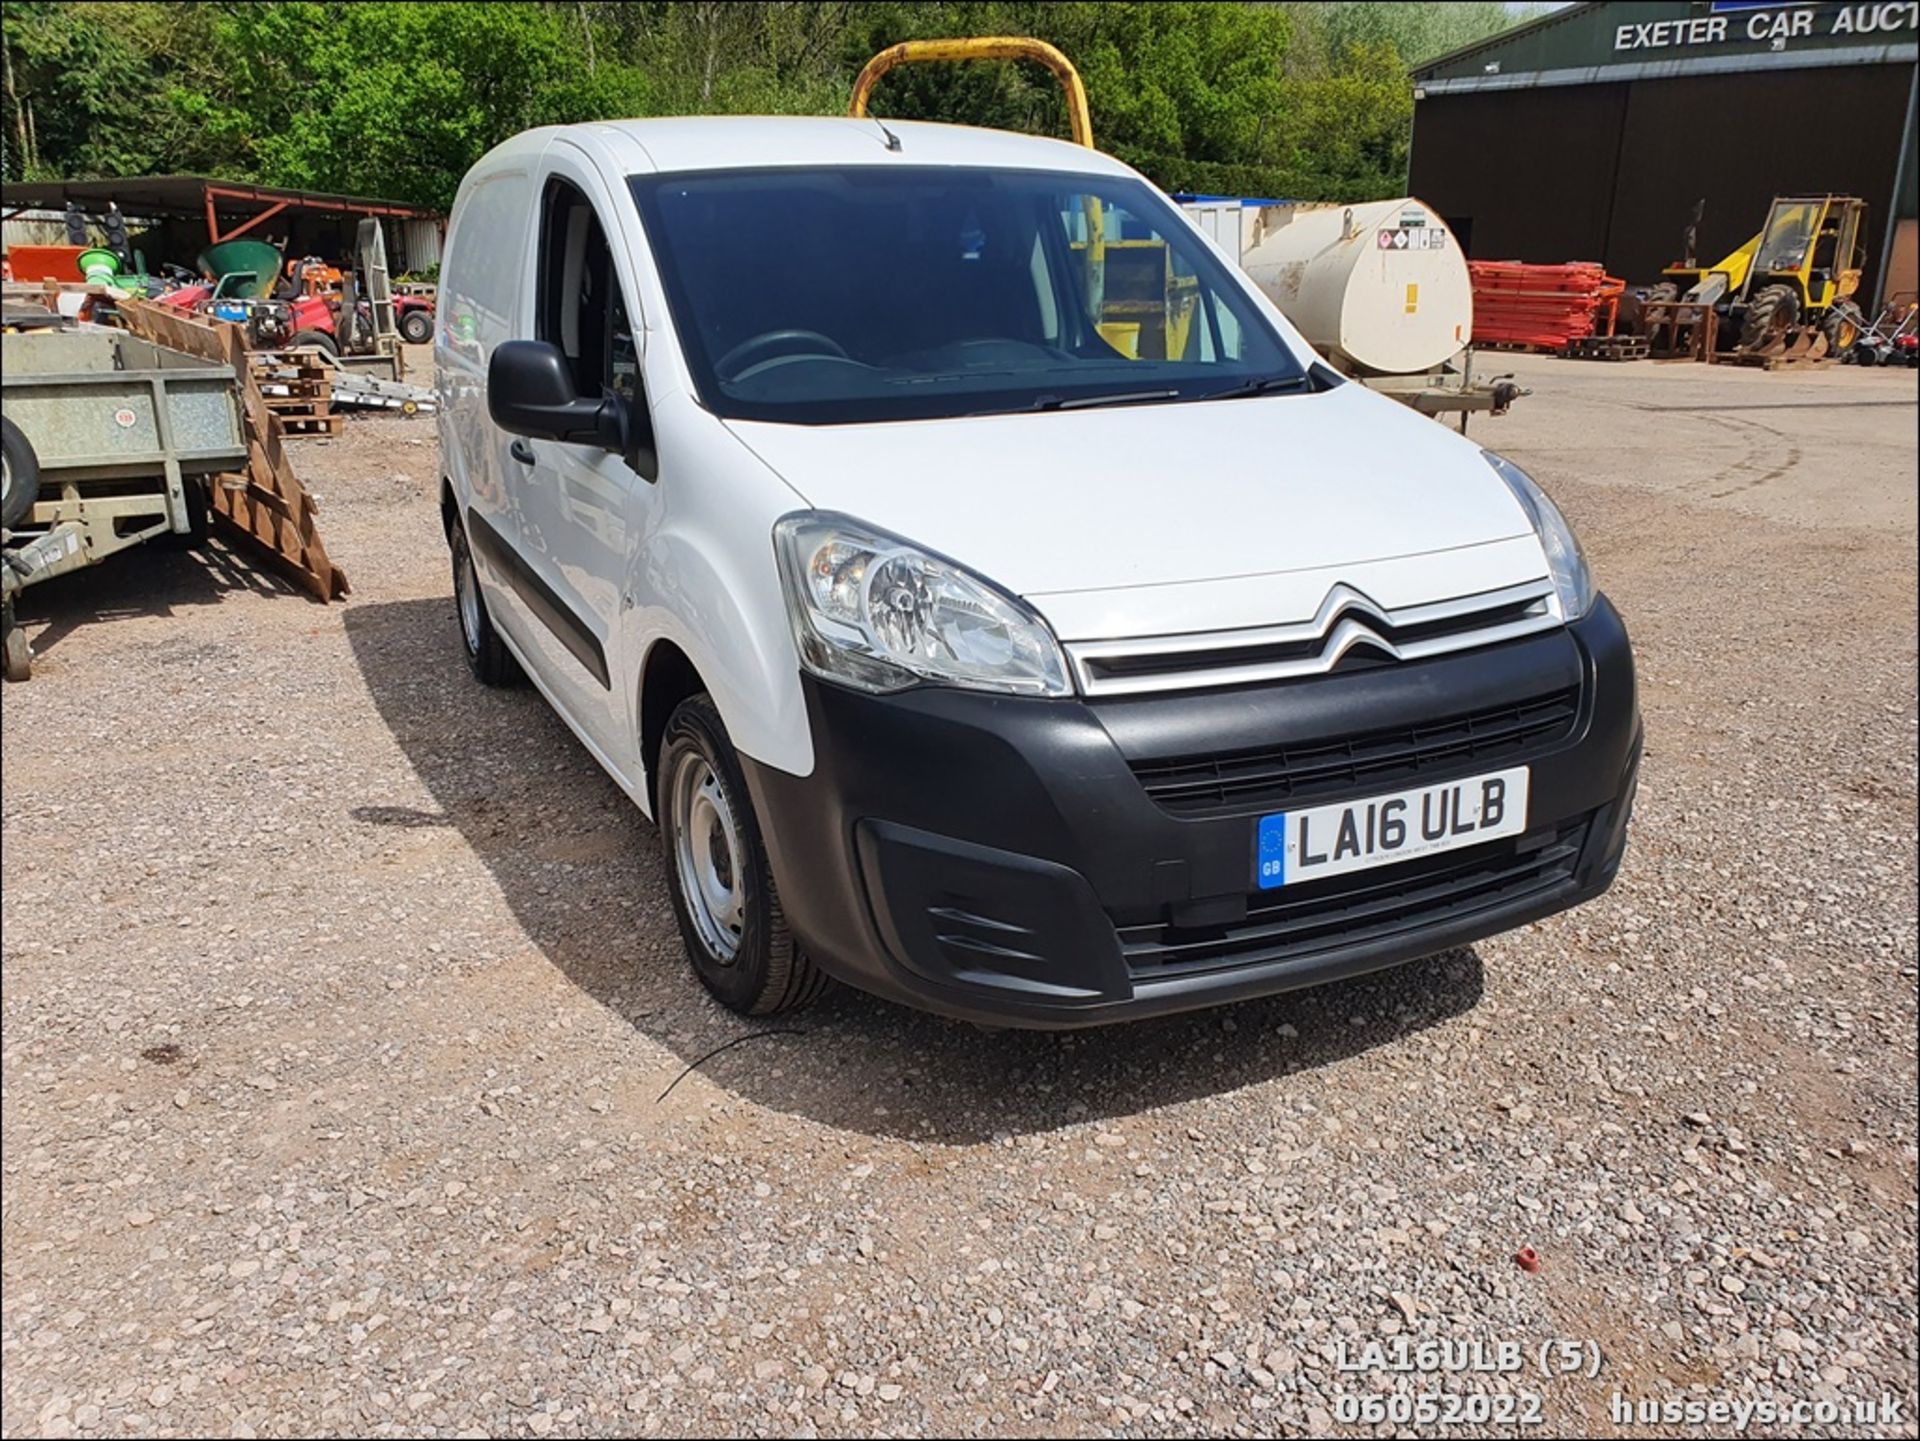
column 1415, row 33
column 398, row 97
column 79, row 84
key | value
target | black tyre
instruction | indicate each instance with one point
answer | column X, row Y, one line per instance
column 487, row 655
column 199, row 509
column 1842, row 325
column 316, row 338
column 18, row 655
column 416, row 326
column 199, row 517
column 19, row 476
column 1770, row 315
column 717, row 872
column 1633, row 319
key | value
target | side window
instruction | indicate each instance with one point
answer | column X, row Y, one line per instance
column 481, row 271
column 578, row 305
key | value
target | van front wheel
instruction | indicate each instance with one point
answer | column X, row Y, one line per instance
column 723, row 892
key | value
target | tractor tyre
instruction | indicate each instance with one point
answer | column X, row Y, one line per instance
column 1770, row 317
column 316, row 339
column 1842, row 325
column 416, row 326
column 1632, row 319
column 20, row 479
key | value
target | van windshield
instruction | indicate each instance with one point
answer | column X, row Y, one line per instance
column 874, row 293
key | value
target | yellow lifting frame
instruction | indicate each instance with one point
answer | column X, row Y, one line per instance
column 981, row 47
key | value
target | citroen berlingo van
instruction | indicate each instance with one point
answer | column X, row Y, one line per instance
column 993, row 601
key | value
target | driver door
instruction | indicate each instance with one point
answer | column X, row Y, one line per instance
column 579, row 504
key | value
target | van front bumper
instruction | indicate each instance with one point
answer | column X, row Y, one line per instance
column 1065, row 863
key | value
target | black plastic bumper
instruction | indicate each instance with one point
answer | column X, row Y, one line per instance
column 1001, row 859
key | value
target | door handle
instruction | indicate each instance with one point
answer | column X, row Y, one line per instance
column 521, row 452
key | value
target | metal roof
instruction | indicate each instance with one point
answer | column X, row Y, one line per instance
column 1502, row 38
column 1622, row 40
column 188, row 196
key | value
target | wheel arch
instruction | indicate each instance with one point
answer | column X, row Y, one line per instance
column 668, row 676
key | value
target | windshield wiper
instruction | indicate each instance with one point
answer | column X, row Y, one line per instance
column 1259, row 385
column 1090, row 402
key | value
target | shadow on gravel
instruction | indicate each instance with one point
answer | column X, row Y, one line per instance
column 146, row 580
column 579, row 866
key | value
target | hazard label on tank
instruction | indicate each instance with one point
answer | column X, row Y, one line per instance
column 1410, row 237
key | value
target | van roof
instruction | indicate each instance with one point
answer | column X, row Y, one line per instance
column 739, row 142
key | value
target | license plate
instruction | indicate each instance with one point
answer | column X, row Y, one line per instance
column 1306, row 845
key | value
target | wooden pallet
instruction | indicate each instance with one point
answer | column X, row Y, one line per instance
column 283, row 399
column 294, row 427
column 294, row 385
column 1810, row 352
column 292, row 357
column 1607, row 347
column 282, row 394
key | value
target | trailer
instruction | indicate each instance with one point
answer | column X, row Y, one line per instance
column 111, row 441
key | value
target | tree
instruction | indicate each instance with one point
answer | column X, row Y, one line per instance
column 399, row 97
column 78, row 89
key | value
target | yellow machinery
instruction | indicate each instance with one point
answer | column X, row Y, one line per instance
column 1787, row 292
column 1145, row 306
column 982, row 47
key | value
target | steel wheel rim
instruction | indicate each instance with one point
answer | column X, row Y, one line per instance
column 707, row 852
column 466, row 594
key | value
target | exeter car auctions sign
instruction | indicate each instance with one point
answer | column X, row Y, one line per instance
column 1775, row 25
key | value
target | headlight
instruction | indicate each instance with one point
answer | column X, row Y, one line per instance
column 875, row 612
column 1568, row 567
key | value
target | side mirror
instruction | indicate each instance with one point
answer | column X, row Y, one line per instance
column 530, row 392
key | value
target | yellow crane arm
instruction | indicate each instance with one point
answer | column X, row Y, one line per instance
column 984, row 47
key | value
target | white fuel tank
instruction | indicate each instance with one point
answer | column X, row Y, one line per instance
column 1379, row 288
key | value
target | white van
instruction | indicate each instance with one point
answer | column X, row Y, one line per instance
column 993, row 600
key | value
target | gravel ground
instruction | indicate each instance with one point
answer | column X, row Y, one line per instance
column 343, row 1002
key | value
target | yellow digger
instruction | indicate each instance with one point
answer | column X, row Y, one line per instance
column 1788, row 292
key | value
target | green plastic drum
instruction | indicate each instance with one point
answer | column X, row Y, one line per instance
column 98, row 267
column 245, row 257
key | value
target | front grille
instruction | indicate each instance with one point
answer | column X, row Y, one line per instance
column 1348, row 630
column 1262, row 779
column 1295, row 922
